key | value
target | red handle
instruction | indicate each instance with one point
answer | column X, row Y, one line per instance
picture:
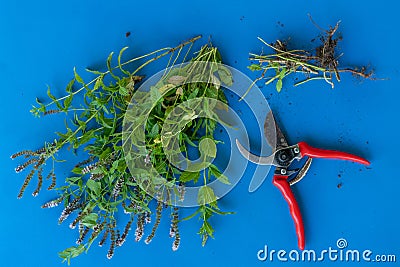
column 307, row 150
column 281, row 182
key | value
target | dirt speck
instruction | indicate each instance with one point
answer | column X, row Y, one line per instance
column 339, row 185
column 340, row 140
column 127, row 34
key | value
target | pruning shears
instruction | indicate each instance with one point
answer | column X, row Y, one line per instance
column 282, row 157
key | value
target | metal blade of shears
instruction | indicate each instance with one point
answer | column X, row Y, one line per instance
column 277, row 135
column 269, row 160
column 276, row 139
column 302, row 172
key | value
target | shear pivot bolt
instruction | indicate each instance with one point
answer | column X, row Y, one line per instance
column 283, row 171
column 296, row 150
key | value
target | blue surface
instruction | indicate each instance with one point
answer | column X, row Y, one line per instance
column 42, row 42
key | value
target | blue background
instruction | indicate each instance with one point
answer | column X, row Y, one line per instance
column 41, row 41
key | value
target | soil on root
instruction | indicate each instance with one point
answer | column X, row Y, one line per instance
column 320, row 63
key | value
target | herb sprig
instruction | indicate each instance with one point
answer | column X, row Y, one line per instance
column 101, row 185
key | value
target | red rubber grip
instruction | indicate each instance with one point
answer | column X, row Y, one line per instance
column 307, row 150
column 280, row 181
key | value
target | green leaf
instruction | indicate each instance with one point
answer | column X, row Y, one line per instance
column 206, row 231
column 207, row 147
column 123, row 91
column 109, row 66
column 71, row 252
column 67, row 102
column 94, row 186
column 187, row 139
column 37, row 110
column 105, row 153
column 119, row 61
column 206, row 195
column 78, row 78
column 191, row 215
column 216, row 172
column 217, row 211
column 70, row 85
column 77, row 170
column 155, row 95
column 109, row 58
column 282, row 74
column 97, row 171
column 279, row 85
column 208, row 228
column 154, row 131
column 106, row 122
column 275, row 65
column 90, row 220
column 87, row 136
column 193, row 94
column 94, row 71
column 98, row 83
column 189, row 176
column 254, row 67
column 115, row 165
column 74, row 180
column 225, row 75
column 52, row 97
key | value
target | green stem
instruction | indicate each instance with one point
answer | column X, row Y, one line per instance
column 166, row 53
column 309, row 79
column 169, row 50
